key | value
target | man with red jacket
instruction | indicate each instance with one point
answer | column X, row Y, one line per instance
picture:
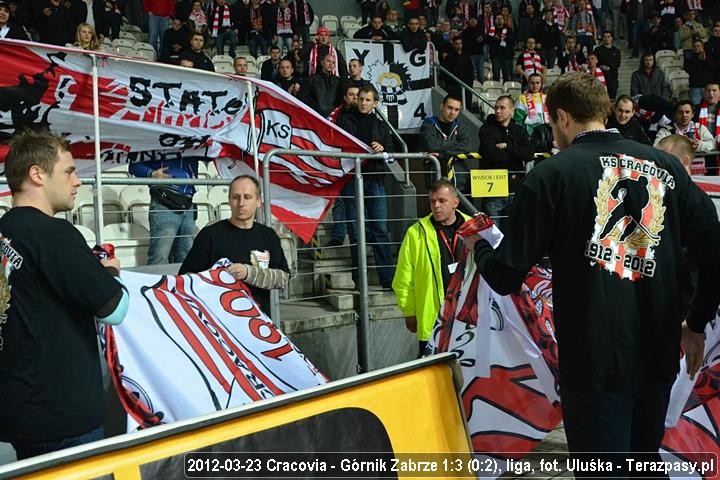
column 159, row 13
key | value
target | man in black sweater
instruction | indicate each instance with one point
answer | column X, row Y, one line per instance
column 322, row 90
column 175, row 40
column 617, row 319
column 547, row 36
column 504, row 145
column 255, row 248
column 459, row 64
column 702, row 70
column 413, row 37
column 375, row 31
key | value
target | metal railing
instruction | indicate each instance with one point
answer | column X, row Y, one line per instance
column 364, row 357
column 462, row 84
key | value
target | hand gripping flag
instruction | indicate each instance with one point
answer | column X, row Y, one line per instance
column 149, row 110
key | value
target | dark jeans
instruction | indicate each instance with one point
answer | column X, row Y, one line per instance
column 549, row 54
column 255, row 41
column 498, row 209
column 27, row 450
column 228, row 37
column 506, row 66
column 612, row 422
column 376, row 228
column 339, row 211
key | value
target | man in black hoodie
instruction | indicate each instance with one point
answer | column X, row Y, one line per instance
column 504, row 145
column 413, row 37
column 623, row 119
column 196, row 54
column 375, row 31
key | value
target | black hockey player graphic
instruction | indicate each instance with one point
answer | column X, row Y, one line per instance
column 632, row 196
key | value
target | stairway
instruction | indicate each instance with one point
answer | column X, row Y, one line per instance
column 627, row 67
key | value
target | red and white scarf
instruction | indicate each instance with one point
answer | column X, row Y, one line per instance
column 306, row 12
column 284, row 21
column 489, row 25
column 694, row 4
column 573, row 64
column 503, row 37
column 560, row 16
column 465, row 10
column 224, row 12
column 598, row 73
column 314, row 59
column 532, row 62
column 704, row 120
column 431, row 3
column 532, row 115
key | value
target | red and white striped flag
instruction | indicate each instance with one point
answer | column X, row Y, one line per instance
column 148, row 110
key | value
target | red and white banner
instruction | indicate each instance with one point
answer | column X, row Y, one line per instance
column 197, row 343
column 509, row 357
column 149, row 109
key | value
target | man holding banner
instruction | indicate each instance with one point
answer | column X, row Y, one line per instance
column 613, row 215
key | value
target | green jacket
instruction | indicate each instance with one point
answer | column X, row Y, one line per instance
column 418, row 277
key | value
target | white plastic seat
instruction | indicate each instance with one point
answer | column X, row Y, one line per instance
column 510, row 85
column 514, row 93
column 348, row 18
column 124, row 51
column 87, row 234
column 218, row 199
column 224, row 68
column 252, row 70
column 126, row 35
column 135, row 203
column 331, row 24
column 351, row 31
column 492, row 84
column 222, row 59
column 261, row 58
column 131, row 242
column 678, row 75
column 124, row 42
column 83, row 212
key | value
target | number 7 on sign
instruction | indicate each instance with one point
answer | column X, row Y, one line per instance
column 489, row 183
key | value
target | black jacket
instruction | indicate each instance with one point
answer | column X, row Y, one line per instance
column 286, row 83
column 16, row 32
column 701, row 72
column 565, row 57
column 267, row 72
column 498, row 51
column 460, row 65
column 349, row 120
column 322, row 92
column 368, row 32
column 519, row 150
column 547, row 35
column 322, row 50
column 200, row 60
column 611, row 58
column 473, row 40
column 175, row 37
column 412, row 40
column 632, row 130
column 56, row 29
column 612, row 332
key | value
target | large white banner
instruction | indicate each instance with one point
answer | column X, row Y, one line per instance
column 197, row 343
column 402, row 79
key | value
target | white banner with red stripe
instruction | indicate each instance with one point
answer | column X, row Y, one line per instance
column 197, row 343
column 149, row 109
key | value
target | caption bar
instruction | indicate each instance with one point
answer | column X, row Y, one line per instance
column 435, row 465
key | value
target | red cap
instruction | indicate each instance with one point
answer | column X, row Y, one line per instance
column 322, row 30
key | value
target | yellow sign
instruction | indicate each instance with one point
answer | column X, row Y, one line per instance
column 370, row 413
column 489, row 183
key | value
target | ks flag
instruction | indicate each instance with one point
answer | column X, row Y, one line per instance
column 401, row 78
column 197, row 343
column 149, row 111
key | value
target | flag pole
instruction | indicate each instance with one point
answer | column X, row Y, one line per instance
column 253, row 132
column 99, row 220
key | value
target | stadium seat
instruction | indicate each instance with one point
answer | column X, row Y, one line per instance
column 222, row 59
column 509, row 85
column 205, row 210
column 135, row 203
column 351, row 31
column 87, row 234
column 124, row 51
column 212, row 170
column 331, row 25
column 224, row 68
column 148, row 55
column 5, row 204
column 252, row 70
column 127, row 36
column 260, row 59
column 492, row 84
column 514, row 93
column 678, row 74
column 124, row 42
column 348, row 18
column 314, row 26
column 218, row 199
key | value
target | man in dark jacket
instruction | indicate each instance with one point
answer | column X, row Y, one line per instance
column 269, row 70
column 702, row 70
column 609, row 62
column 504, row 145
column 375, row 31
column 9, row 29
column 614, row 216
column 648, row 79
column 459, row 64
column 623, row 119
column 322, row 90
column 502, row 48
column 312, row 54
column 196, row 54
column 657, row 36
column 473, row 40
column 444, row 137
column 175, row 40
column 413, row 37
column 547, row 36
column 286, row 78
column 55, row 24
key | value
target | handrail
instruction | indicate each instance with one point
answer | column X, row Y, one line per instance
column 398, row 137
column 364, row 321
column 463, row 85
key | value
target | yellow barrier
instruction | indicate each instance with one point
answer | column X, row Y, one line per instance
column 413, row 407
